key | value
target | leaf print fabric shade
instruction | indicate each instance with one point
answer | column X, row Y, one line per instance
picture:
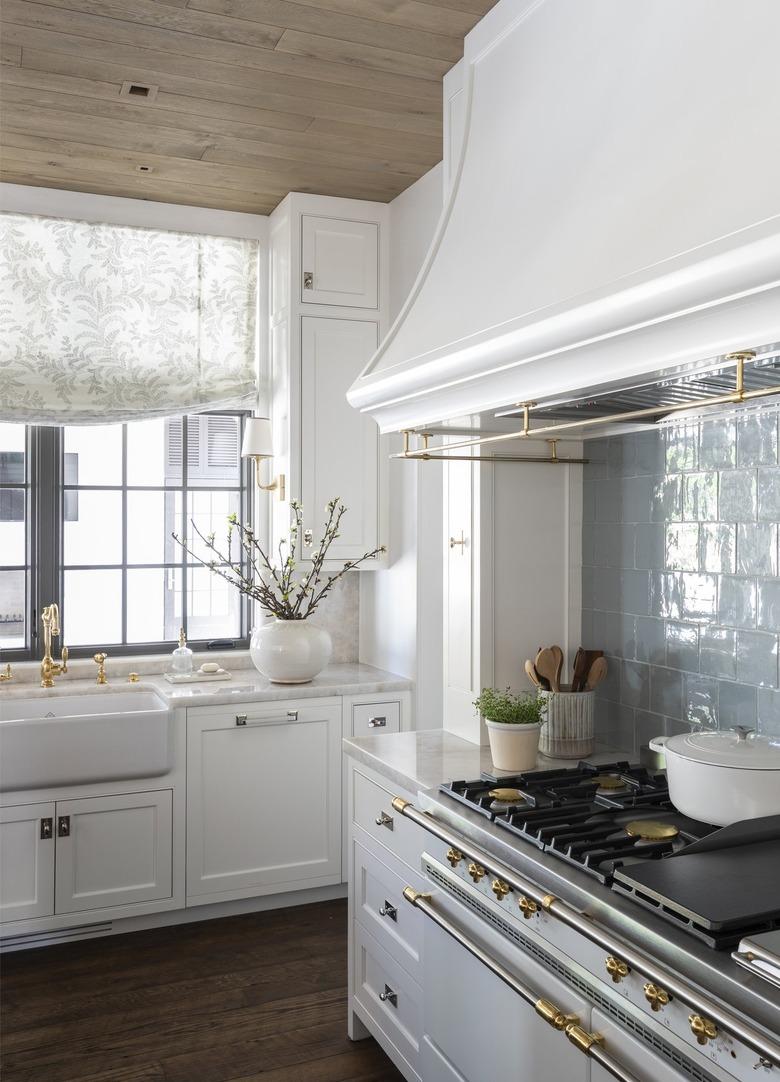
column 110, row 323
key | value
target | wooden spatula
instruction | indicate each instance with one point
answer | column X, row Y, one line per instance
column 596, row 673
column 582, row 663
column 546, row 665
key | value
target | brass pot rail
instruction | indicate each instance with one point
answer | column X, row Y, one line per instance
column 441, row 452
column 612, row 944
column 568, row 1024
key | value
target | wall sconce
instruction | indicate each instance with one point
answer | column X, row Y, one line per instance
column 258, row 444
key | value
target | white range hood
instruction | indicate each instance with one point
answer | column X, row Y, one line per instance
column 615, row 210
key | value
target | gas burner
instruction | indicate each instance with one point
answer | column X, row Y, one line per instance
column 651, row 830
column 610, row 785
column 506, row 800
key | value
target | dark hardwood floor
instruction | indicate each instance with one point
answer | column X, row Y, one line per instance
column 255, row 998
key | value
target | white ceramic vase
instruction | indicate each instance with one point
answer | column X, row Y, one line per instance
column 290, row 651
column 513, row 747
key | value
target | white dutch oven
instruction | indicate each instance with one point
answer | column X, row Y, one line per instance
column 723, row 777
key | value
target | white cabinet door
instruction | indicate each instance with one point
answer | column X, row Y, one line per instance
column 339, row 262
column 263, row 798
column 26, row 862
column 114, row 850
column 639, row 1060
column 339, row 446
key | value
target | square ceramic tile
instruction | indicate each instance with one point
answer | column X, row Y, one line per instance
column 737, row 496
column 718, row 652
column 667, row 499
column 769, row 605
column 682, row 646
column 756, row 548
column 682, row 446
column 637, row 499
column 718, row 547
column 699, row 597
column 650, row 542
column 666, row 594
column 682, row 546
column 757, row 438
column 769, row 495
column 737, row 601
column 700, row 701
column 666, row 692
column 635, row 684
column 737, row 705
column 718, row 444
column 757, row 658
column 650, row 452
column 769, row 712
column 649, row 640
column 635, row 586
column 608, row 500
column 700, row 497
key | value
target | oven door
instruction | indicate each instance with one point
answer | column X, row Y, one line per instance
column 491, row 1011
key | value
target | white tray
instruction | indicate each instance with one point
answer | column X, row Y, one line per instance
column 197, row 677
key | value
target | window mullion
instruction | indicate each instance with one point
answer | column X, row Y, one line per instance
column 46, row 481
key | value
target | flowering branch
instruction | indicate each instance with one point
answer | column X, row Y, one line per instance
column 275, row 587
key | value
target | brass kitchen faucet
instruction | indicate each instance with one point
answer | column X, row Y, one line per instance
column 50, row 618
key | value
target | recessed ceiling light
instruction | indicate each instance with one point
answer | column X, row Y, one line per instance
column 138, row 92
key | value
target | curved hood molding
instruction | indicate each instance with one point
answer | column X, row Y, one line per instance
column 615, row 210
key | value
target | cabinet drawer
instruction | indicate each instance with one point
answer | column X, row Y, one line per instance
column 371, row 719
column 389, row 996
column 373, row 812
column 377, row 902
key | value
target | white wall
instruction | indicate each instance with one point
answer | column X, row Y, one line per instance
column 397, row 632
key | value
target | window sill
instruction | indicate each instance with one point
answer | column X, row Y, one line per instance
column 29, row 672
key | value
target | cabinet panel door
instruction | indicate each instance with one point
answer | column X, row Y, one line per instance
column 114, row 850
column 339, row 262
column 339, row 446
column 26, row 862
column 263, row 798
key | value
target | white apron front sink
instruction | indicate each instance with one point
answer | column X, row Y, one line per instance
column 50, row 740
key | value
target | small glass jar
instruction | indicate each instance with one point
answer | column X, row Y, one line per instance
column 181, row 659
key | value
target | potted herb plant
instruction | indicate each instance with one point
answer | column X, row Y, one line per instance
column 513, row 724
column 288, row 649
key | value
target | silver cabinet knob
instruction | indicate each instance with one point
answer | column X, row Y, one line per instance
column 389, row 996
column 384, row 820
column 377, row 723
column 389, row 911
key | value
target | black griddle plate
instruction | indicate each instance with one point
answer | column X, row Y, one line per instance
column 716, row 890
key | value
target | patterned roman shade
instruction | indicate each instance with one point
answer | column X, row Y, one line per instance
column 111, row 323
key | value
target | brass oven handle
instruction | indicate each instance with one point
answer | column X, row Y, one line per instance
column 554, row 1016
column 721, row 1017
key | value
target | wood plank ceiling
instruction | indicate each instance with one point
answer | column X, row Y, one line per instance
column 248, row 99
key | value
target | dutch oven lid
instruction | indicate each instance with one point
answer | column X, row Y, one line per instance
column 740, row 748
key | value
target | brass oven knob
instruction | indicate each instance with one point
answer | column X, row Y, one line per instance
column 476, row 871
column 617, row 969
column 703, row 1029
column 500, row 889
column 454, row 856
column 527, row 906
column 656, row 997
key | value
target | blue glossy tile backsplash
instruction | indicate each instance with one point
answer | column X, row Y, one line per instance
column 680, row 581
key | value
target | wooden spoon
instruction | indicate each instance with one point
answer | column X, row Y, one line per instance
column 546, row 665
column 532, row 674
column 556, row 650
column 596, row 673
column 582, row 664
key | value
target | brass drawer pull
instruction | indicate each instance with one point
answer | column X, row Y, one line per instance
column 617, row 969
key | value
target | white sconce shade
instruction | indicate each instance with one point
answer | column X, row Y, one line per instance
column 258, row 441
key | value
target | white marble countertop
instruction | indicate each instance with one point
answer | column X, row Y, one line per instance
column 427, row 757
column 247, row 685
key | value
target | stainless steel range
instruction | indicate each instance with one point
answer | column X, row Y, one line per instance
column 584, row 893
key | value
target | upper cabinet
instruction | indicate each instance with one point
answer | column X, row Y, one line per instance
column 329, row 311
column 339, row 262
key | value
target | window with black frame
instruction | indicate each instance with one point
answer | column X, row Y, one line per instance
column 122, row 581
